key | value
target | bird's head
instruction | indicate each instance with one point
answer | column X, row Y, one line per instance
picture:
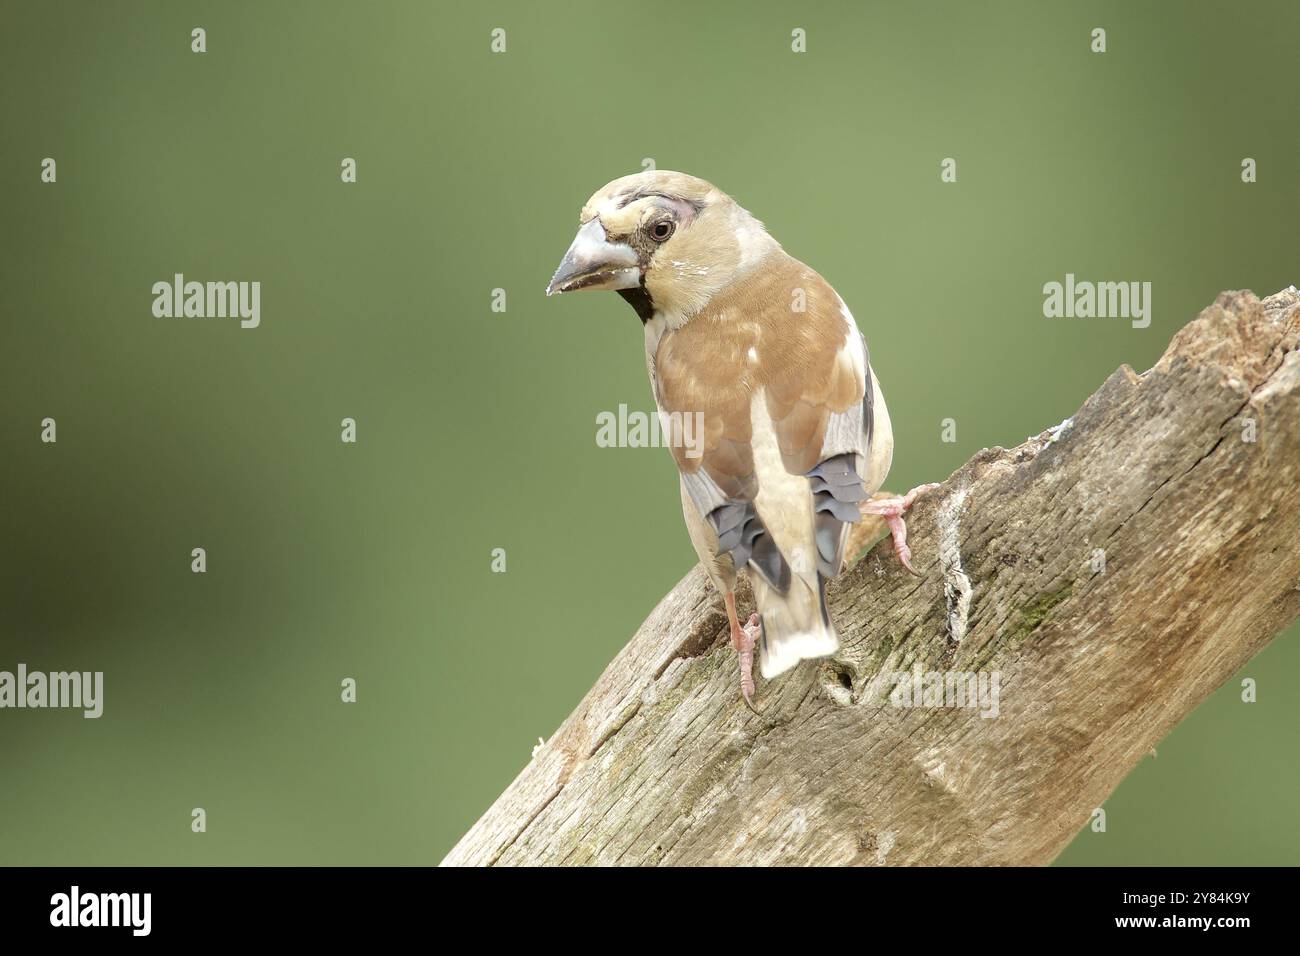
column 666, row 241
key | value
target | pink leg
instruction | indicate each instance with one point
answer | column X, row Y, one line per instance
column 892, row 509
column 743, row 640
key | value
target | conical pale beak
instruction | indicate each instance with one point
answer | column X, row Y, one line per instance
column 593, row 262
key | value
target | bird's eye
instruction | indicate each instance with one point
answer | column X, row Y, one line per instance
column 661, row 230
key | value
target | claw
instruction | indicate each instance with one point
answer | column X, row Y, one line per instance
column 916, row 492
column 743, row 640
column 898, row 532
column 892, row 509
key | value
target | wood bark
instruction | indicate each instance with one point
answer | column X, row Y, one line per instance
column 1112, row 572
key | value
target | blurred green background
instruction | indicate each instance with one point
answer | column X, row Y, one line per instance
column 476, row 430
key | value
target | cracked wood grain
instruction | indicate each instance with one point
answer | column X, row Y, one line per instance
column 662, row 763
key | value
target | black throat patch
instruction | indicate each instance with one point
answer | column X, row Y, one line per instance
column 639, row 299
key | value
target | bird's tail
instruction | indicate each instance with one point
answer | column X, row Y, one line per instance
column 796, row 625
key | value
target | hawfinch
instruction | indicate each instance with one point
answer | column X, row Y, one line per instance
column 757, row 353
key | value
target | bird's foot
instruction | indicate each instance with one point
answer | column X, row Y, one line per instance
column 744, row 638
column 892, row 509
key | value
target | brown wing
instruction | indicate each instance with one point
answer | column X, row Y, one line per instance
column 781, row 330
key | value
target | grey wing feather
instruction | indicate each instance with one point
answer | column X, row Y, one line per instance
column 837, row 480
column 740, row 531
column 837, row 489
column 742, row 535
